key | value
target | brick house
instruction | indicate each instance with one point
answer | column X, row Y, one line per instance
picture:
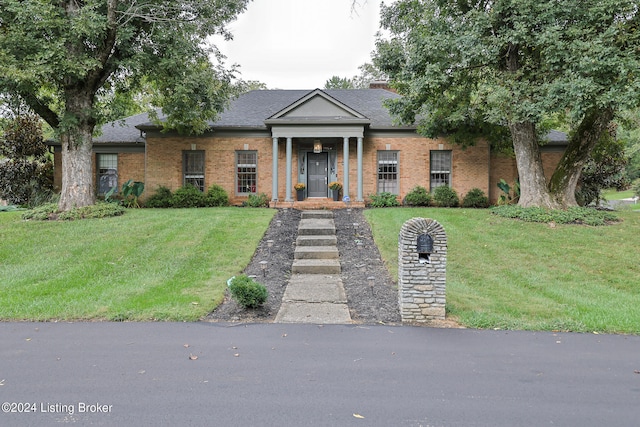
column 269, row 140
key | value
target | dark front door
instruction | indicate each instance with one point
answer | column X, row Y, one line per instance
column 317, row 167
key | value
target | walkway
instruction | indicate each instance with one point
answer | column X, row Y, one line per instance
column 315, row 293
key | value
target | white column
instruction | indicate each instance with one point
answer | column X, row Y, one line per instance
column 287, row 196
column 359, row 197
column 274, row 171
column 345, row 172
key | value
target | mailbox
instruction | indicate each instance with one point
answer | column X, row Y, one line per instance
column 424, row 247
column 425, row 244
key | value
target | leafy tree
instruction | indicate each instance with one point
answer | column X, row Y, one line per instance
column 604, row 169
column 243, row 86
column 475, row 68
column 74, row 61
column 25, row 172
column 336, row 82
column 368, row 73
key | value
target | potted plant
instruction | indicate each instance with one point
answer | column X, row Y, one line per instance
column 300, row 190
column 335, row 188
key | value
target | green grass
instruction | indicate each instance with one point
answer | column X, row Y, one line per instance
column 509, row 274
column 146, row 265
column 613, row 194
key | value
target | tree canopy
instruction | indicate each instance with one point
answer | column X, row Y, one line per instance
column 73, row 62
column 471, row 68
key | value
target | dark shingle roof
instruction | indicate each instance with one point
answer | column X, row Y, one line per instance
column 122, row 131
column 253, row 108
column 250, row 110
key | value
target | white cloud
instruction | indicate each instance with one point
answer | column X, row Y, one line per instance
column 299, row 44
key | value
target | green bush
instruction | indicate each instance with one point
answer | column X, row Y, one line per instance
column 635, row 186
column 383, row 200
column 50, row 212
column 216, row 196
column 475, row 198
column 257, row 201
column 446, row 197
column 573, row 215
column 247, row 292
column 160, row 199
column 418, row 196
column 188, row 196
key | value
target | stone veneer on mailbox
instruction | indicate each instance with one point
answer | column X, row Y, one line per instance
column 422, row 274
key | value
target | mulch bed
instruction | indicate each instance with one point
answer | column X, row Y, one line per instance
column 359, row 259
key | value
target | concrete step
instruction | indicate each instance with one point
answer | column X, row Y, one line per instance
column 316, row 252
column 316, row 241
column 317, row 214
column 316, row 227
column 314, row 288
column 316, row 266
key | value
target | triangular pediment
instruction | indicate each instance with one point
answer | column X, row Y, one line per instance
column 317, row 105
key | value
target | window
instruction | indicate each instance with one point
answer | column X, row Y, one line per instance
column 107, row 173
column 440, row 169
column 388, row 172
column 193, row 169
column 246, row 172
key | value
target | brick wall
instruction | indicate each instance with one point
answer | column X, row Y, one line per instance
column 470, row 166
column 164, row 162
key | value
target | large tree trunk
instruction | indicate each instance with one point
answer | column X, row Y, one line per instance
column 77, row 143
column 77, row 173
column 567, row 174
column 533, row 185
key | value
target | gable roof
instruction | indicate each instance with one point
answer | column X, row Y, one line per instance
column 252, row 109
column 316, row 105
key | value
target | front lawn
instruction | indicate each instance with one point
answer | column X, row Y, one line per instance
column 149, row 264
column 509, row 274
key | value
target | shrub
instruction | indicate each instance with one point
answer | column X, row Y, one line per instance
column 573, row 215
column 383, row 200
column 188, row 196
column 50, row 212
column 257, row 201
column 635, row 186
column 216, row 196
column 475, row 198
column 446, row 197
column 247, row 292
column 160, row 199
column 418, row 196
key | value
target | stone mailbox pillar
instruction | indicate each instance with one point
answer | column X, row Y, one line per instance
column 422, row 265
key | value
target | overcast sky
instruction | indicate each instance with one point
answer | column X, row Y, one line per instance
column 300, row 44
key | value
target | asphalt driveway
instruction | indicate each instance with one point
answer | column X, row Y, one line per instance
column 212, row 374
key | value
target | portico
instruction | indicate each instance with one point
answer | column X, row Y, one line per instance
column 319, row 128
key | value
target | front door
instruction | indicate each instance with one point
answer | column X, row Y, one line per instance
column 317, row 167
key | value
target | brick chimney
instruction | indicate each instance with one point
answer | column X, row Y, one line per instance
column 381, row 84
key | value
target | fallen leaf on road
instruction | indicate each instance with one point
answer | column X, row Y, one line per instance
column 186, row 346
column 635, row 372
column 358, row 416
column 193, row 357
column 236, row 355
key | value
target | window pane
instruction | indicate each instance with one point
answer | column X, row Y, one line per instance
column 107, row 173
column 246, row 172
column 440, row 169
column 193, row 167
column 388, row 172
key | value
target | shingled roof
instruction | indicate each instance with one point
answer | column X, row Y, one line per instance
column 250, row 110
